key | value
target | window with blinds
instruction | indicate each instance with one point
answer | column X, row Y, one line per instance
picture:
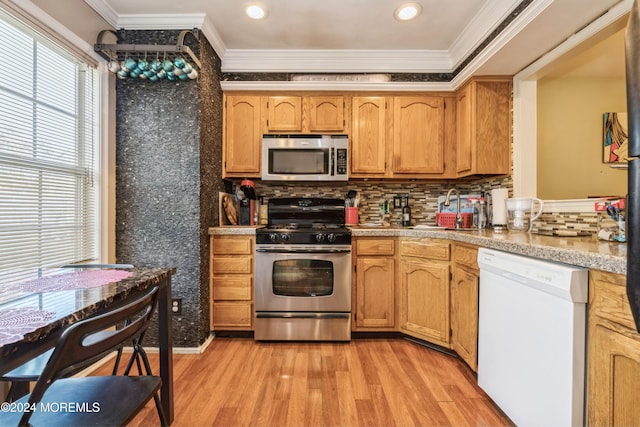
column 48, row 154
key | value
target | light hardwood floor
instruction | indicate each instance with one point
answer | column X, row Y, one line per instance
column 366, row 382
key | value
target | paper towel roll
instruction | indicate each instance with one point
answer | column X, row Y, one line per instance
column 498, row 209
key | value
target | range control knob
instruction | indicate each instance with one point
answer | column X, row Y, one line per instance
column 284, row 237
column 331, row 237
column 273, row 237
column 319, row 237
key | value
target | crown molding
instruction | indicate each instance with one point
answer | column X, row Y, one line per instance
column 105, row 10
column 480, row 27
column 276, row 86
column 524, row 19
column 146, row 21
column 161, row 21
column 345, row 60
column 212, row 35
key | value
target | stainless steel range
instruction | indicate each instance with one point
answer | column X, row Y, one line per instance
column 303, row 272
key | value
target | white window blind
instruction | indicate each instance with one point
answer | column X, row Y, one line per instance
column 48, row 165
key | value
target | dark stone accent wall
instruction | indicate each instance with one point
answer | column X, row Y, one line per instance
column 168, row 137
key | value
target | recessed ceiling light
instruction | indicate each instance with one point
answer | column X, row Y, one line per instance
column 256, row 12
column 407, row 11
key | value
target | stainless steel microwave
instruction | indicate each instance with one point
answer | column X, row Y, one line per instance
column 305, row 158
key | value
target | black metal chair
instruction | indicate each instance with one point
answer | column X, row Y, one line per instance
column 22, row 376
column 60, row 400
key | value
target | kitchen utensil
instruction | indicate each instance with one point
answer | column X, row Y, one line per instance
column 521, row 213
column 350, row 199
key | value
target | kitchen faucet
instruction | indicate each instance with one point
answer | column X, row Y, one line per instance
column 447, row 202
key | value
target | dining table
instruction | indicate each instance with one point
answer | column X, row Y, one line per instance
column 36, row 305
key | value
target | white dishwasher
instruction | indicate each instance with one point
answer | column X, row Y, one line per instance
column 531, row 338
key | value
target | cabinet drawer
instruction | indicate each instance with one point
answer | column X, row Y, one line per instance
column 232, row 246
column 433, row 250
column 235, row 287
column 375, row 247
column 232, row 314
column 466, row 255
column 233, row 264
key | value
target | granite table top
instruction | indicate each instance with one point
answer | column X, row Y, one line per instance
column 586, row 251
column 34, row 311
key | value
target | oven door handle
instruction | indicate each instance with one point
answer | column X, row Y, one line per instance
column 301, row 315
column 303, row 251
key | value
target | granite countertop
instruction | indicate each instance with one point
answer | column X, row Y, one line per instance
column 580, row 251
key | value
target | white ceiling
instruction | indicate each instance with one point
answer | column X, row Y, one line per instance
column 363, row 36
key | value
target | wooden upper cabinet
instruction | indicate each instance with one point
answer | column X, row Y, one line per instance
column 463, row 130
column 242, row 136
column 418, row 135
column 325, row 113
column 483, row 127
column 304, row 113
column 284, row 113
column 368, row 136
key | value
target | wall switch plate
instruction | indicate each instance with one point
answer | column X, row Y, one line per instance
column 176, row 306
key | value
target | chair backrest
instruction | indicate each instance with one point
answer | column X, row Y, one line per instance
column 87, row 341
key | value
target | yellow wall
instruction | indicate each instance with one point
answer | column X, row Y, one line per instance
column 570, row 115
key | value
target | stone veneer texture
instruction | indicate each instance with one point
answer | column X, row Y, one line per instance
column 168, row 151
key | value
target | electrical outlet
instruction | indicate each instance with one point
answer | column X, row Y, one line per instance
column 397, row 202
column 176, row 306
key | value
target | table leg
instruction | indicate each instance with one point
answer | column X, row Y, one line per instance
column 165, row 337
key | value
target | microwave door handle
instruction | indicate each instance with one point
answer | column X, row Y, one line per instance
column 332, row 161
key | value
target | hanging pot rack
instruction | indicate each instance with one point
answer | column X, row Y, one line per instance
column 120, row 51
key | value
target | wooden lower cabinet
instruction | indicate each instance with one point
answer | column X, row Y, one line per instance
column 464, row 303
column 613, row 354
column 374, row 284
column 231, row 284
column 424, row 289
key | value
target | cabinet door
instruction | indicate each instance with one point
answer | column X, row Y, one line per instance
column 483, row 127
column 284, row 113
column 464, row 315
column 243, row 135
column 325, row 113
column 375, row 292
column 614, row 378
column 418, row 134
column 424, row 287
column 463, row 130
column 368, row 135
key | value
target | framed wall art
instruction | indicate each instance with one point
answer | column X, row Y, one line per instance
column 616, row 139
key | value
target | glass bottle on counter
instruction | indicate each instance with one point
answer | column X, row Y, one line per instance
column 406, row 212
column 482, row 213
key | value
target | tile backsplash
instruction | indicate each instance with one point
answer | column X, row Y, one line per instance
column 423, row 199
column 423, row 196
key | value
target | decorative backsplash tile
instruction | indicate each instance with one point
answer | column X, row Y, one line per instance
column 423, row 199
column 579, row 223
column 423, row 196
